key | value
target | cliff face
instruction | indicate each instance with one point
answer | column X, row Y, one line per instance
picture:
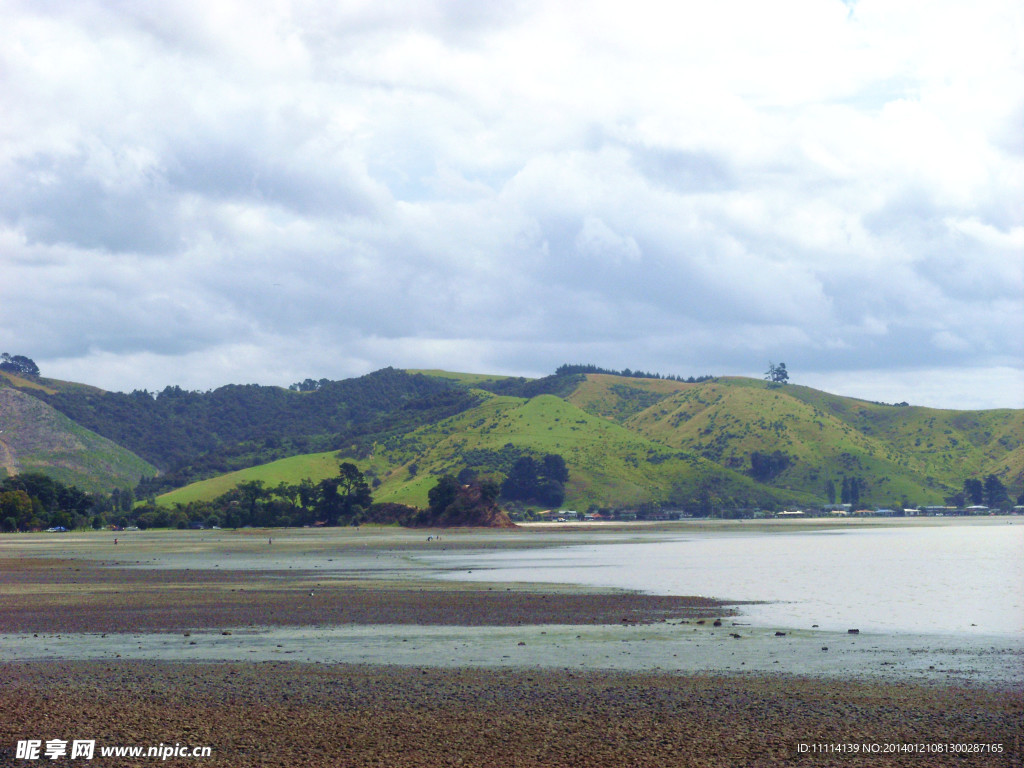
column 471, row 508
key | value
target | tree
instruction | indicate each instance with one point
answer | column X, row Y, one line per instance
column 553, row 468
column 16, row 505
column 122, row 500
column 345, row 497
column 542, row 482
column 443, row 494
column 995, row 492
column 453, row 503
column 830, row 491
column 974, row 491
column 18, row 364
column 765, row 467
column 521, row 480
column 777, row 374
column 309, row 385
column 251, row 492
column 308, row 492
column 850, row 493
column 550, row 493
column 490, row 490
column 289, row 493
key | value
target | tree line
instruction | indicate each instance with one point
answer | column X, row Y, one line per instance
column 989, row 492
column 32, row 501
column 571, row 368
column 171, row 427
column 191, row 435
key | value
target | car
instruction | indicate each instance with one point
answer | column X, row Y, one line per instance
column 57, row 529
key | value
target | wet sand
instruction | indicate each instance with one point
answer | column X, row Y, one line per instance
column 46, row 594
column 340, row 648
column 672, row 647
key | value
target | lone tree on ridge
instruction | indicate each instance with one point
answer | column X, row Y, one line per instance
column 777, row 374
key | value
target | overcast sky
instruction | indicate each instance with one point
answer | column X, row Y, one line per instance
column 212, row 192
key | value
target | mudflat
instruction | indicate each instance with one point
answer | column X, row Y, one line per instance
column 324, row 715
column 340, row 647
column 171, row 580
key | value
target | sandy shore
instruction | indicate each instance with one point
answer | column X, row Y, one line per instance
column 341, row 648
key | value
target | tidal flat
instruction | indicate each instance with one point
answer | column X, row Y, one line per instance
column 353, row 647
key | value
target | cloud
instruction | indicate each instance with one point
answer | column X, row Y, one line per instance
column 227, row 191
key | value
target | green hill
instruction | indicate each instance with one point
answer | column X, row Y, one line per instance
column 609, row 466
column 626, row 440
column 294, row 469
column 36, row 438
column 194, row 435
column 920, row 455
column 940, row 443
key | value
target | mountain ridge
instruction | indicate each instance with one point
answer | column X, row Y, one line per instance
column 627, row 440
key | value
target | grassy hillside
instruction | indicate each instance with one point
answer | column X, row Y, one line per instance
column 917, row 454
column 468, row 379
column 35, row 437
column 625, row 440
column 940, row 443
column 195, row 435
column 47, row 386
column 292, row 470
column 608, row 464
column 617, row 398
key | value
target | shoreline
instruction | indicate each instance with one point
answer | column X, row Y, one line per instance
column 368, row 595
column 216, row 640
column 705, row 523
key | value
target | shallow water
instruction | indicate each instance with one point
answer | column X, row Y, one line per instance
column 676, row 647
column 952, row 579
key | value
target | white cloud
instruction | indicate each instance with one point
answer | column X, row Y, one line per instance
column 597, row 241
column 972, row 388
column 200, row 192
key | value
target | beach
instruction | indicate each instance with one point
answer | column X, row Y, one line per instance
column 342, row 647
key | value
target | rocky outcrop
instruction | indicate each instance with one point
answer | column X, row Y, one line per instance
column 472, row 507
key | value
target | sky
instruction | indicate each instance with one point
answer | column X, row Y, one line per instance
column 213, row 192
